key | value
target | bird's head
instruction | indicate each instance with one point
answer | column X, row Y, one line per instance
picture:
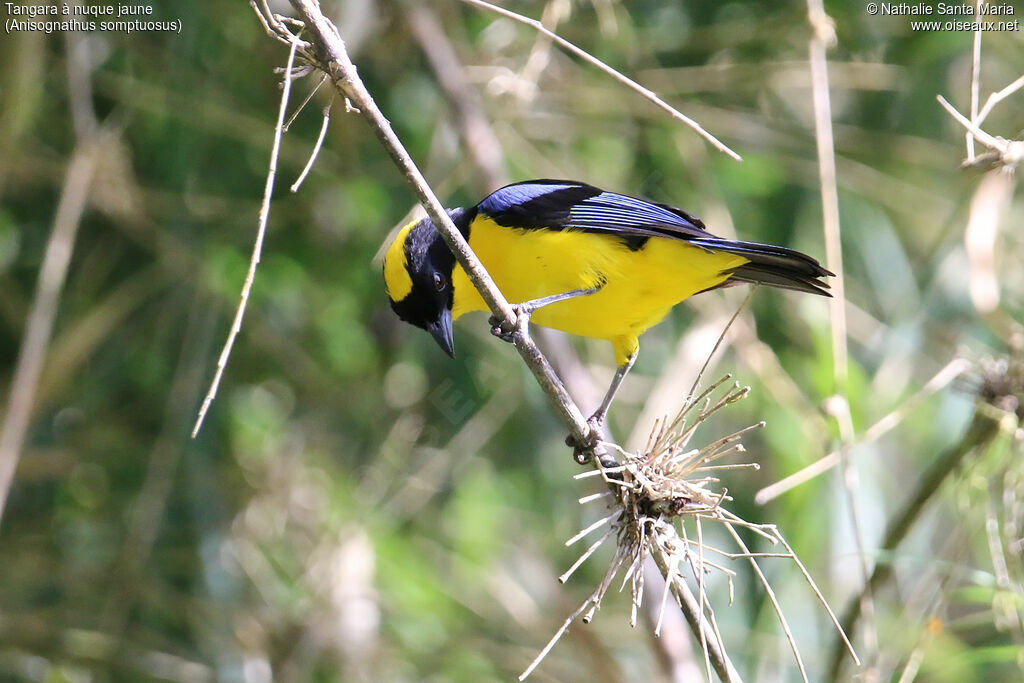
column 418, row 276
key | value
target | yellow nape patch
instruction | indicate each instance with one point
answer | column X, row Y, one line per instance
column 396, row 276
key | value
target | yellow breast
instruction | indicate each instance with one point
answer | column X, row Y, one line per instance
column 639, row 287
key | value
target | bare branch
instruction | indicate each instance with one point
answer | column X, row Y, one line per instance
column 975, row 82
column 629, row 82
column 985, row 426
column 981, row 136
column 257, row 248
column 721, row 337
column 53, row 271
column 947, row 374
column 298, row 110
column 823, row 36
column 997, row 97
column 316, row 149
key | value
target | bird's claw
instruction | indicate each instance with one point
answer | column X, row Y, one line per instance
column 584, row 452
column 500, row 330
column 506, row 331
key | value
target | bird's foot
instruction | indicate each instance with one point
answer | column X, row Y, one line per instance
column 584, row 452
column 506, row 331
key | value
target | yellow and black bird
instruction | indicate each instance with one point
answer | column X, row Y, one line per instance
column 582, row 260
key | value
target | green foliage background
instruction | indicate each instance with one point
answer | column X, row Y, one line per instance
column 359, row 507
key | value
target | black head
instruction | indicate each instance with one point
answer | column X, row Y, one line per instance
column 418, row 275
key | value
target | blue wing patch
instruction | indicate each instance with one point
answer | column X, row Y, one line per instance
column 564, row 204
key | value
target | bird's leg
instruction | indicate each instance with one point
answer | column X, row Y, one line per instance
column 526, row 309
column 584, row 451
column 597, row 419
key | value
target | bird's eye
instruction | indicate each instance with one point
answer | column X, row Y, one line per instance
column 439, row 281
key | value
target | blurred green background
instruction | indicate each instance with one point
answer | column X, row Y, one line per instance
column 358, row 506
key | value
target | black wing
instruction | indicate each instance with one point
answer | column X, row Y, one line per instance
column 570, row 205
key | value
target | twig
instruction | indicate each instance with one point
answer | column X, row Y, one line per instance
column 540, row 54
column 590, row 59
column 984, row 427
column 975, row 83
column 718, row 342
column 691, row 610
column 583, row 558
column 823, row 36
column 52, row 273
column 673, row 382
column 257, row 248
column 997, row 97
column 554, row 639
column 669, row 639
column 841, row 412
column 989, row 205
column 843, row 635
column 943, row 377
column 39, row 326
column 298, row 109
column 981, row 136
column 771, row 597
column 316, row 149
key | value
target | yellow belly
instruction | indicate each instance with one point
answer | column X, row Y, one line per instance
column 639, row 287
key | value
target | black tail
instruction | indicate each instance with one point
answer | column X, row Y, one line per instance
column 772, row 266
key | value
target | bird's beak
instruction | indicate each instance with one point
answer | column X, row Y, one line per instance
column 441, row 331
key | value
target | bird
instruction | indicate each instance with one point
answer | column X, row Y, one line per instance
column 579, row 259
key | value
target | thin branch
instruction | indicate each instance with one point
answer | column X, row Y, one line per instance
column 669, row 638
column 721, row 337
column 39, row 326
column 984, row 427
column 590, row 59
column 997, row 97
column 529, row 74
column 257, row 248
column 947, row 374
column 316, row 149
column 698, row 624
column 850, row 485
column 989, row 206
column 823, row 36
column 975, row 82
column 52, row 273
column 981, row 136
column 332, row 57
column 298, row 110
column 843, row 636
column 771, row 598
column 554, row 639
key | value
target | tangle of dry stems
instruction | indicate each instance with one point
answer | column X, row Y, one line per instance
column 666, row 483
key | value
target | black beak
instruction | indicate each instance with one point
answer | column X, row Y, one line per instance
column 441, row 331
